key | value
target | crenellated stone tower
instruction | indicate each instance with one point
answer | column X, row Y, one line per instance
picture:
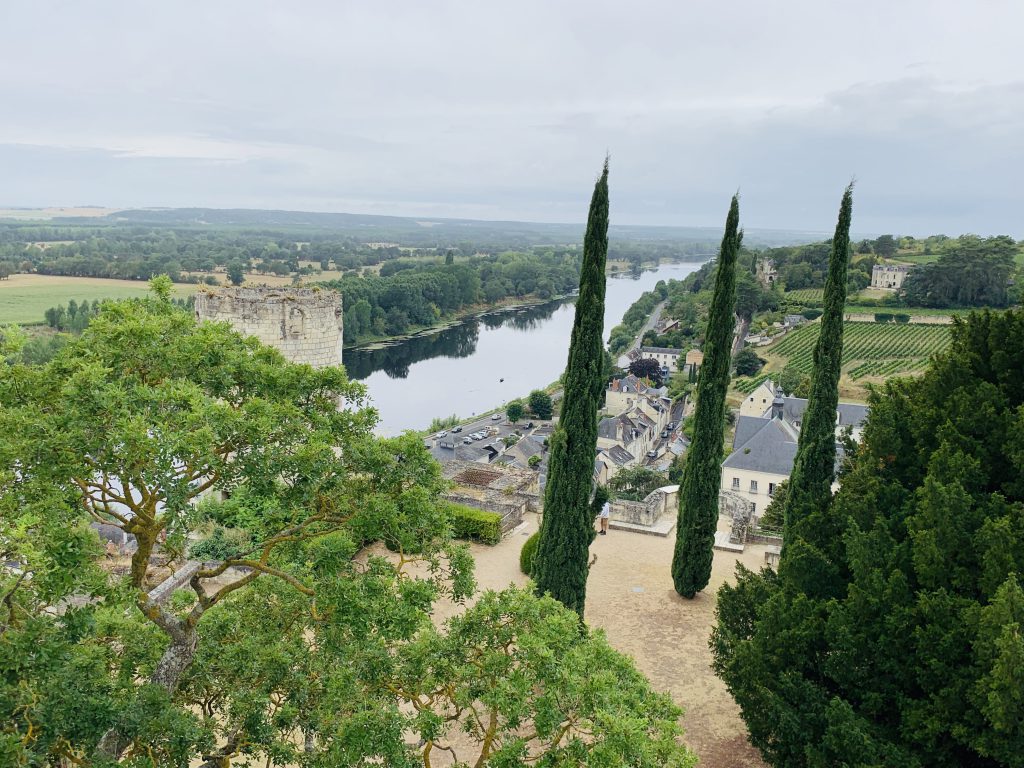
column 305, row 324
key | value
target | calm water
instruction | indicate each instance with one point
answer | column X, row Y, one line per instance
column 460, row 370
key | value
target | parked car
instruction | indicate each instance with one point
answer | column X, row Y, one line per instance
column 467, row 440
column 495, row 416
column 652, row 454
column 442, row 433
column 671, row 425
column 456, row 430
column 665, row 433
column 477, row 435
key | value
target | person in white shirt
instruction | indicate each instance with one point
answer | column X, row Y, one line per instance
column 606, row 511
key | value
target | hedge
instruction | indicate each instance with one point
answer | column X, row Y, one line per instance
column 528, row 552
column 475, row 524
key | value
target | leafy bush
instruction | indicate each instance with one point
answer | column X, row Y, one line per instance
column 528, row 552
column 475, row 524
column 811, row 314
column 883, row 317
column 222, row 544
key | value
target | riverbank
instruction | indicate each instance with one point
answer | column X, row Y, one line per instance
column 477, row 366
column 477, row 310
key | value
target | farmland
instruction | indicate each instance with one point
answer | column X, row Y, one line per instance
column 808, row 296
column 24, row 298
column 871, row 352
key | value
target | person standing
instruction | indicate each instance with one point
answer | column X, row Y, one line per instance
column 606, row 511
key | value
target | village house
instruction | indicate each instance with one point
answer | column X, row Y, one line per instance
column 765, row 442
column 666, row 357
column 638, row 416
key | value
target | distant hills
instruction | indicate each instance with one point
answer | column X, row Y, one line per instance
column 429, row 230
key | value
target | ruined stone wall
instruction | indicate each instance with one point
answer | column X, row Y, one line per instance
column 305, row 324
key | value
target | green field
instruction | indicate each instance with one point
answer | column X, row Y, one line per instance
column 806, row 295
column 869, row 349
column 24, row 298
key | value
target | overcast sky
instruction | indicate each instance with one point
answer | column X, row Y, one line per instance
column 505, row 110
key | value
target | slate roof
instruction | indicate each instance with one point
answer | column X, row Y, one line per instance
column 524, row 449
column 771, row 449
column 620, row 455
column 746, row 428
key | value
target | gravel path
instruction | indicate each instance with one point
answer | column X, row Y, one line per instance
column 630, row 596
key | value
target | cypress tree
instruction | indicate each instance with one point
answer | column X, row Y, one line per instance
column 814, row 467
column 698, row 498
column 810, row 486
column 560, row 566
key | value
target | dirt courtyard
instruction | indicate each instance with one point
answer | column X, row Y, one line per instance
column 630, row 597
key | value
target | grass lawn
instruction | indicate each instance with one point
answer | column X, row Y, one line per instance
column 24, row 298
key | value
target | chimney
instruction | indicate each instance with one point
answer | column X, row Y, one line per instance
column 777, row 405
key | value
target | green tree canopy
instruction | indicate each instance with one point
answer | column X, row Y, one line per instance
column 635, row 483
column 540, row 404
column 514, row 411
column 128, row 425
column 911, row 656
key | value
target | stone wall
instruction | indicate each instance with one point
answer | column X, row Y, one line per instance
column 305, row 324
column 649, row 511
column 511, row 509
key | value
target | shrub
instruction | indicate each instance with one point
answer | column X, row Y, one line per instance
column 811, row 314
column 883, row 317
column 222, row 544
column 901, row 317
column 475, row 524
column 528, row 552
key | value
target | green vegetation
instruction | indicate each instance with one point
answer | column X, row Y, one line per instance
column 514, row 411
column 810, row 483
column 339, row 640
column 698, row 497
column 976, row 272
column 808, row 297
column 474, row 524
column 528, row 553
column 439, row 423
column 540, row 404
column 561, row 565
column 869, row 349
column 910, row 653
column 418, row 293
column 635, row 483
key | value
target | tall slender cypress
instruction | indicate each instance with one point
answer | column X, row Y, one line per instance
column 561, row 564
column 814, row 467
column 698, row 498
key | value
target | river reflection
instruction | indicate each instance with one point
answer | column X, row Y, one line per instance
column 483, row 362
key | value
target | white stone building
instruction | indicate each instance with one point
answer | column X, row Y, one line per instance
column 889, row 276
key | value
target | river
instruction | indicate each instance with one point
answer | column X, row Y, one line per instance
column 485, row 361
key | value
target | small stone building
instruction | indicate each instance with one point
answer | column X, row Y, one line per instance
column 305, row 324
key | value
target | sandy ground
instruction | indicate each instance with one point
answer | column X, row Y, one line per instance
column 630, row 596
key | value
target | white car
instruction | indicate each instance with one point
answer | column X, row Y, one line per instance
column 442, row 433
column 495, row 416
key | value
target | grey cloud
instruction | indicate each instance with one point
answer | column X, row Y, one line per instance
column 506, row 111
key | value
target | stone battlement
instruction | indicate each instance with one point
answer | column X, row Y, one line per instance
column 305, row 324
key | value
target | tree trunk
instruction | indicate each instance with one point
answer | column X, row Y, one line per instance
column 177, row 657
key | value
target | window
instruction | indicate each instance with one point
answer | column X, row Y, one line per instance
column 771, row 489
column 736, row 483
column 753, row 486
column 753, row 508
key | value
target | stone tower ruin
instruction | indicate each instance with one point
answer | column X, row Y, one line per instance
column 305, row 324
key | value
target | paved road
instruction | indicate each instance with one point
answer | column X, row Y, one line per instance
column 655, row 316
